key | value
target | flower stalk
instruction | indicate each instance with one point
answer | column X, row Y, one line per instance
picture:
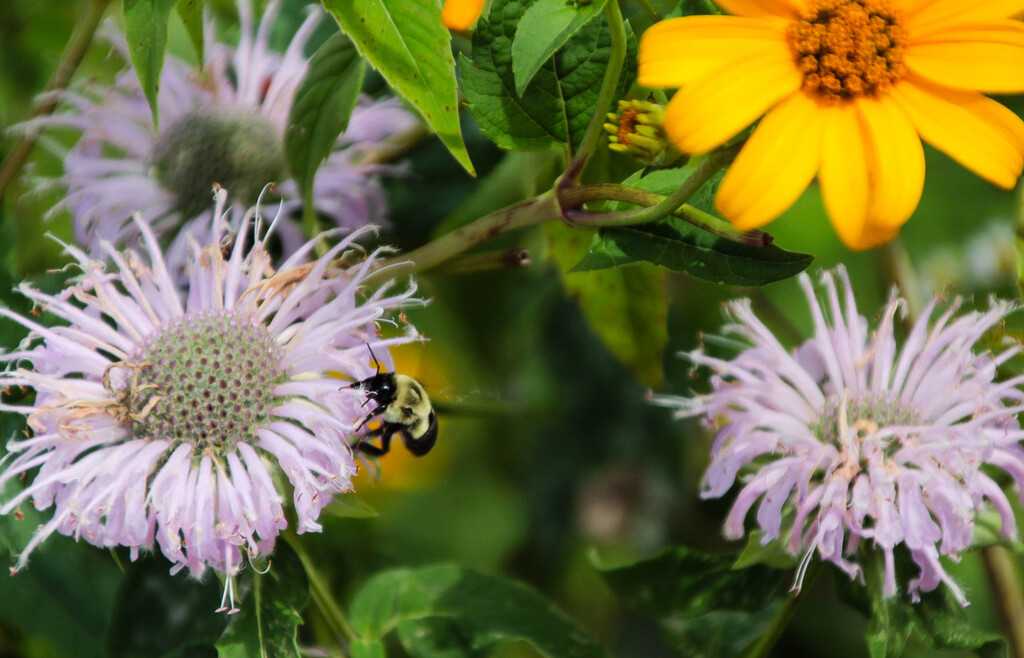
column 321, row 593
column 604, row 97
column 78, row 44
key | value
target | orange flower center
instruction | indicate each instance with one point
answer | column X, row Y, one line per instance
column 627, row 124
column 848, row 48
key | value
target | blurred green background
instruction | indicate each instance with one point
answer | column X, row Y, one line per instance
column 550, row 455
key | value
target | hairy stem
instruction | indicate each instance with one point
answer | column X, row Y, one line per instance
column 1008, row 595
column 322, row 598
column 604, row 97
column 668, row 205
column 525, row 213
column 74, row 51
column 898, row 269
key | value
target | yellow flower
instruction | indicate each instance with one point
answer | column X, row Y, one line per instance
column 461, row 14
column 850, row 88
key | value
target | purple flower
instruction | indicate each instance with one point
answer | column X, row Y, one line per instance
column 224, row 124
column 865, row 441
column 170, row 417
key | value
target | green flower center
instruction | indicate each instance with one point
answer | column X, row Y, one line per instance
column 206, row 379
column 865, row 414
column 237, row 149
column 848, row 48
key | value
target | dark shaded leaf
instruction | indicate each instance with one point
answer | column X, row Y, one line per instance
column 446, row 610
column 704, row 606
column 322, row 107
column 684, row 247
column 271, row 610
column 158, row 614
column 625, row 306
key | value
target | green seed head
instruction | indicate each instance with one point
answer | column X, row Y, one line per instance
column 207, row 379
column 237, row 149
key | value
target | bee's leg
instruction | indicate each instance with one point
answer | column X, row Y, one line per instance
column 385, row 432
column 368, row 417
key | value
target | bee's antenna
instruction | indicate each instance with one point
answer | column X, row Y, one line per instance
column 375, row 361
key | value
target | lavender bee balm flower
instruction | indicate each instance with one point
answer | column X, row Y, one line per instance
column 166, row 417
column 869, row 442
column 223, row 124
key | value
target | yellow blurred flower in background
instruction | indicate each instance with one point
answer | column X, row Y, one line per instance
column 848, row 89
column 461, row 14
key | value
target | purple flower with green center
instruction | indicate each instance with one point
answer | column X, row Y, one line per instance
column 173, row 418
column 866, row 441
column 223, row 124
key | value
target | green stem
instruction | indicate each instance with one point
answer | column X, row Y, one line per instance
column 668, row 205
column 1008, row 595
column 74, row 51
column 604, row 97
column 763, row 646
column 898, row 269
column 525, row 213
column 321, row 593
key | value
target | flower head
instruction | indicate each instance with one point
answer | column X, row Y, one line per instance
column 867, row 441
column 638, row 130
column 170, row 417
column 850, row 87
column 224, row 124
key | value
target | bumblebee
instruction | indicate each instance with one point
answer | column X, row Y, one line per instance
column 404, row 409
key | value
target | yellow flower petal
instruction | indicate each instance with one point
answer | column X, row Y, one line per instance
column 461, row 14
column 762, row 8
column 895, row 162
column 775, row 166
column 679, row 50
column 968, row 127
column 710, row 111
column 928, row 14
column 844, row 171
column 984, row 56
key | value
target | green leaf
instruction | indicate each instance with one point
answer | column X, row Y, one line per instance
column 684, row 582
column 158, row 614
column 322, row 107
column 937, row 620
column 351, row 506
column 683, row 247
column 406, row 42
column 543, row 29
column 367, row 649
column 145, row 26
column 722, row 634
column 447, row 610
column 556, row 106
column 705, row 607
column 773, row 554
column 191, row 13
column 626, row 306
column 271, row 610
